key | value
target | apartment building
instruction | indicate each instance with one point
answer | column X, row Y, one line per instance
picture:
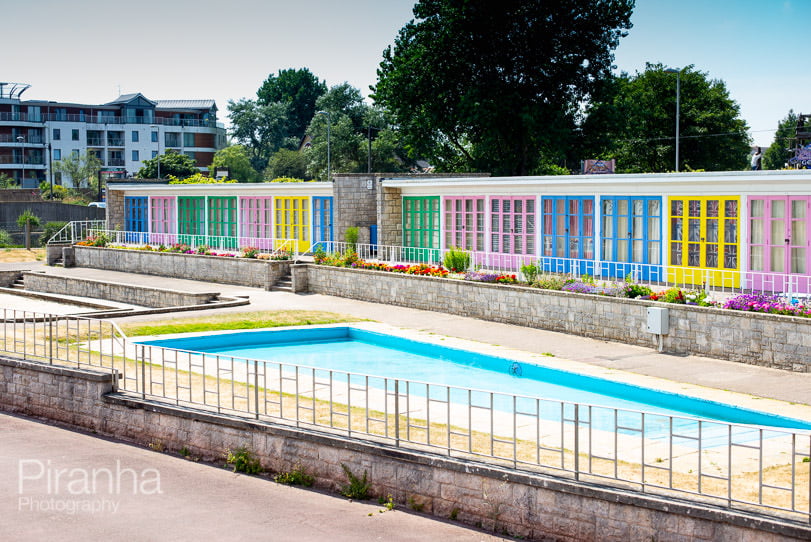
column 34, row 134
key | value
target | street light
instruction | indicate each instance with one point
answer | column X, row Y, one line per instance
column 329, row 122
column 21, row 140
column 678, row 106
column 159, row 149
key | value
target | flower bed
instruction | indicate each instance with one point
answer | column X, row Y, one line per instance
column 102, row 241
column 768, row 304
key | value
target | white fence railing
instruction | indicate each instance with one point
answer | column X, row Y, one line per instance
column 763, row 469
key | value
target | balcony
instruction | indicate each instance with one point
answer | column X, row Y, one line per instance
column 115, row 142
column 9, row 138
column 115, row 162
column 95, row 142
column 16, row 160
column 21, row 117
column 95, row 119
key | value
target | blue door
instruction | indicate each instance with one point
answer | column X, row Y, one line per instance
column 322, row 223
column 136, row 219
column 631, row 237
column 567, row 239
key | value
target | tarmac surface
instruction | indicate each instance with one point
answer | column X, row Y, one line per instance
column 205, row 503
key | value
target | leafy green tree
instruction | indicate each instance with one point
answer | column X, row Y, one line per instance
column 778, row 153
column 298, row 90
column 347, row 100
column 28, row 220
column 235, row 159
column 82, row 169
column 286, row 163
column 261, row 129
column 633, row 120
column 345, row 145
column 172, row 163
column 6, row 181
column 491, row 86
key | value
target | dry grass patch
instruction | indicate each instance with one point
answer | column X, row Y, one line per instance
column 9, row 255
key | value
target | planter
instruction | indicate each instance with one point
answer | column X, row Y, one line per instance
column 217, row 269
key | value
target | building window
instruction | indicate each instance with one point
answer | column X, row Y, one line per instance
column 74, row 135
column 57, row 154
column 58, row 178
column 154, row 154
column 57, row 134
column 135, row 157
column 75, row 153
column 134, row 136
column 188, row 140
column 154, row 137
column 191, row 154
column 172, row 139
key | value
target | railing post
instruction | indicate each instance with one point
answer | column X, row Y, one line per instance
column 397, row 413
column 256, row 386
column 143, row 370
column 50, row 340
column 576, row 441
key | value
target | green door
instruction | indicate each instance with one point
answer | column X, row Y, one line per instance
column 191, row 220
column 421, row 228
column 222, row 222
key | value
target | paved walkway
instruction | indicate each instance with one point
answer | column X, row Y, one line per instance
column 43, row 496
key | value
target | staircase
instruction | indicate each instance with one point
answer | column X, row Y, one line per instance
column 284, row 283
column 19, row 283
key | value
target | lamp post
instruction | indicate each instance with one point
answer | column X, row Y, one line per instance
column 678, row 107
column 21, row 141
column 159, row 149
column 329, row 123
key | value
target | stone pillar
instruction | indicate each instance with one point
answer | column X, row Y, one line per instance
column 300, row 278
column 68, row 257
column 390, row 217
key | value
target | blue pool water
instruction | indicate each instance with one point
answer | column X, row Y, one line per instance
column 345, row 348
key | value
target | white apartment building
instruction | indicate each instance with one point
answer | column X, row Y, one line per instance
column 123, row 133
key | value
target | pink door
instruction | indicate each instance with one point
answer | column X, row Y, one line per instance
column 512, row 232
column 464, row 225
column 778, row 244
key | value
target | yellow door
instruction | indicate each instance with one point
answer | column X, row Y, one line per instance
column 292, row 222
column 703, row 242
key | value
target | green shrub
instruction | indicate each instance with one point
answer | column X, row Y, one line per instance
column 49, row 230
column 243, row 460
column 296, row 477
column 357, row 488
column 456, row 260
column 5, row 239
column 552, row 282
column 351, row 237
column 637, row 290
column 530, row 272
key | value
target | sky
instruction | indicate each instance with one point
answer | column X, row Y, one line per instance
column 89, row 51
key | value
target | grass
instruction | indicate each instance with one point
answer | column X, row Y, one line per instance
column 234, row 321
column 10, row 255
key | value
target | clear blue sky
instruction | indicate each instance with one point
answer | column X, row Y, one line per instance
column 84, row 51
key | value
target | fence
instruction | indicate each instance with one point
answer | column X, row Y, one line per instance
column 761, row 469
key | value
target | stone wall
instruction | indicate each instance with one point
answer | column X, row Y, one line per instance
column 143, row 296
column 355, row 203
column 767, row 340
column 390, row 217
column 219, row 269
column 7, row 278
column 528, row 505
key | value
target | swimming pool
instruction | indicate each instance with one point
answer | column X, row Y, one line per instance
column 364, row 352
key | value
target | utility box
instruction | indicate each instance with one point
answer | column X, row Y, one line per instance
column 658, row 320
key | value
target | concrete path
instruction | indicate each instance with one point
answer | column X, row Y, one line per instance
column 47, row 493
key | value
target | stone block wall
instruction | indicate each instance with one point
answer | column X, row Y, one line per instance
column 759, row 339
column 112, row 291
column 355, row 204
column 390, row 217
column 528, row 505
column 7, row 278
column 218, row 269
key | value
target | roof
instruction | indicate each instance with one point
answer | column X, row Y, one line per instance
column 185, row 104
column 126, row 98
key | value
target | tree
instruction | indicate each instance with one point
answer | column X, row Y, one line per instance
column 172, row 163
column 28, row 220
column 344, row 146
column 633, row 120
column 235, row 159
column 82, row 169
column 490, row 86
column 298, row 90
column 778, row 153
column 261, row 129
column 286, row 163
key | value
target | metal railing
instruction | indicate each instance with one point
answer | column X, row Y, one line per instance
column 725, row 281
column 77, row 230
column 755, row 468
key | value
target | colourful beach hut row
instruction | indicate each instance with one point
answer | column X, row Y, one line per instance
column 229, row 222
column 737, row 229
